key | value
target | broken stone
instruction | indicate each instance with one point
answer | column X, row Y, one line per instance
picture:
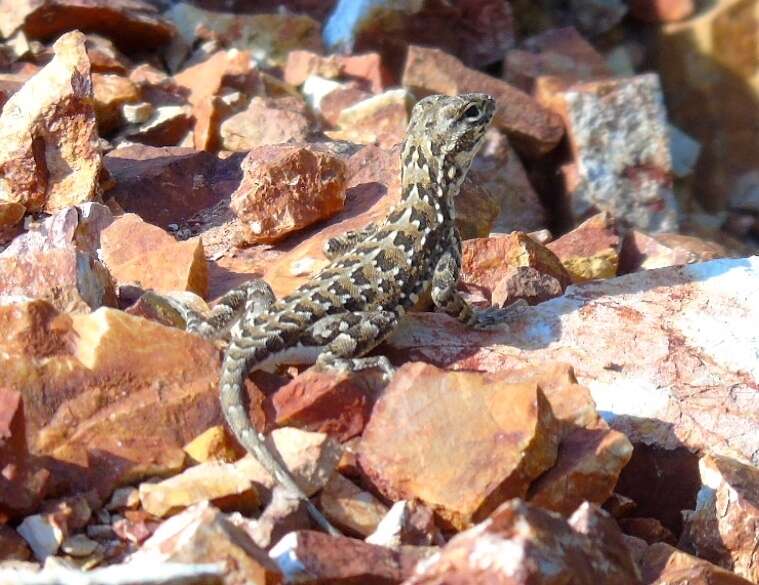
column 436, row 466
column 317, row 556
column 49, row 156
column 79, row 545
column 131, row 24
column 137, row 113
column 349, row 507
column 532, row 128
column 523, row 544
column 266, row 121
column 336, row 404
column 284, row 513
column 167, row 126
column 214, row 444
column 663, row 564
column 381, row 119
column 649, row 530
column 144, row 254
column 124, row 498
column 724, row 527
column 591, row 250
column 12, row 546
column 680, row 333
column 111, row 93
column 286, row 188
column 136, row 527
column 525, row 283
column 105, row 57
column 485, row 261
column 641, row 251
column 44, row 534
column 619, row 138
column 407, row 522
column 203, row 534
column 223, row 484
column 96, row 411
column 366, row 68
column 11, row 214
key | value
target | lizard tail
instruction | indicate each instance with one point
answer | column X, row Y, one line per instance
column 233, row 372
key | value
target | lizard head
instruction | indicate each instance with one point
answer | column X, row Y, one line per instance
column 445, row 133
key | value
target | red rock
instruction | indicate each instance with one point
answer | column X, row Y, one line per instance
column 111, row 92
column 560, row 53
column 12, row 546
column 591, row 250
column 203, row 534
column 407, row 523
column 11, row 214
column 58, row 261
column 338, row 405
column 533, row 129
column 49, row 155
column 485, row 261
column 105, row 57
column 656, row 11
column 525, row 283
column 136, row 527
column 641, row 251
column 338, row 559
column 286, row 188
column 498, row 169
column 141, row 253
column 724, row 527
column 132, row 24
column 266, row 121
column 619, row 142
column 108, row 398
column 365, row 68
column 449, row 440
column 522, row 544
column 663, row 564
column 649, row 530
column 168, row 185
column 333, row 104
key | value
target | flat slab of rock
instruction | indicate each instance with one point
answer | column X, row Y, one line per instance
column 669, row 355
column 461, row 442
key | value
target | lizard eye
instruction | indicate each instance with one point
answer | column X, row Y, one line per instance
column 472, row 113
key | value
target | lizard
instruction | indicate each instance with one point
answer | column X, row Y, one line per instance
column 373, row 277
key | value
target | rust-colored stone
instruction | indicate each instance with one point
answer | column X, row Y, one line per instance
column 663, row 564
column 591, row 250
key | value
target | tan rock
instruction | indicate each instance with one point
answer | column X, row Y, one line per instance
column 449, row 440
column 49, row 156
column 591, row 250
column 137, row 252
column 104, row 56
column 306, row 554
column 223, row 484
column 203, row 534
column 641, row 251
column 11, row 214
column 485, row 261
column 168, row 125
column 523, row 544
column 132, row 24
column 111, row 92
column 724, row 527
column 351, row 508
column 108, row 398
column 286, row 188
column 336, row 404
column 679, row 333
column 332, row 104
column 266, row 121
column 663, row 564
column 381, row 119
column 532, row 128
column 213, row 444
column 621, row 155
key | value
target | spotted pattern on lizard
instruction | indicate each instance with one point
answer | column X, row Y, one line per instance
column 374, row 276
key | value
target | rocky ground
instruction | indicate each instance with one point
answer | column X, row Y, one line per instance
column 607, row 433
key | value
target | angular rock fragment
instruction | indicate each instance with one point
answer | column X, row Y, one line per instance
column 525, row 283
column 214, row 444
column 641, row 251
column 381, row 119
column 44, row 534
column 266, row 121
column 724, row 527
column 12, row 546
column 49, row 156
column 286, row 188
column 167, row 125
column 111, row 92
column 351, row 508
column 131, row 24
column 649, row 530
column 203, row 534
column 366, row 68
column 591, row 250
column 532, row 128
column 662, row 564
column 461, row 442
column 11, row 214
column 144, row 254
column 523, row 544
column 619, row 139
column 407, row 523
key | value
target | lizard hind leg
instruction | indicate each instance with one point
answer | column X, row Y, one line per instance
column 349, row 336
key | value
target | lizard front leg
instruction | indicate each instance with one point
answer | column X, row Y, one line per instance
column 250, row 298
column 348, row 336
column 339, row 245
column 448, row 299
